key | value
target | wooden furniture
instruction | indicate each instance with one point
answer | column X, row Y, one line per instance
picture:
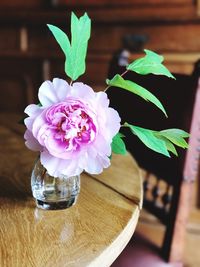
column 168, row 182
column 91, row 233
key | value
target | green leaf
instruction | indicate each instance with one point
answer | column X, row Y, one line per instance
column 132, row 87
column 160, row 141
column 80, row 32
column 169, row 145
column 175, row 136
column 118, row 145
column 61, row 38
column 150, row 63
column 75, row 52
column 63, row 41
column 149, row 139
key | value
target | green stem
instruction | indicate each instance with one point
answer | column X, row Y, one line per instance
column 125, row 125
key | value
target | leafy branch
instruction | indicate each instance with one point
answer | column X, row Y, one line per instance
column 163, row 141
column 151, row 63
column 159, row 141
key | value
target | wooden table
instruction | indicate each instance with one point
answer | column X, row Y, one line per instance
column 91, row 233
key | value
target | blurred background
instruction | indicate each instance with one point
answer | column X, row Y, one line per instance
column 29, row 54
column 120, row 31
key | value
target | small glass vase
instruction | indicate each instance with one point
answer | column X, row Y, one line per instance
column 52, row 193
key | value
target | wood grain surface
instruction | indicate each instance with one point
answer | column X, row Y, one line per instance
column 91, row 233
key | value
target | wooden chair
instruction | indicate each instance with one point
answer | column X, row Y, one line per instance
column 171, row 203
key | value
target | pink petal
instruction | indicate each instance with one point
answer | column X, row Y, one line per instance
column 105, row 161
column 82, row 91
column 53, row 92
column 93, row 166
column 102, row 99
column 113, row 122
column 61, row 88
column 31, row 142
column 32, row 110
column 55, row 166
column 102, row 146
column 29, row 123
column 37, row 124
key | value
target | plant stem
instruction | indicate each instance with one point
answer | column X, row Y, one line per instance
column 120, row 75
column 124, row 73
column 124, row 125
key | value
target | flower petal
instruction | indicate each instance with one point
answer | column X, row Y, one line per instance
column 102, row 99
column 56, row 166
column 93, row 166
column 113, row 123
column 82, row 91
column 62, row 88
column 31, row 142
column 32, row 110
column 38, row 123
column 102, row 146
column 29, row 123
column 53, row 92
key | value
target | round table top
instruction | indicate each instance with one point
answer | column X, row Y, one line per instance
column 91, row 233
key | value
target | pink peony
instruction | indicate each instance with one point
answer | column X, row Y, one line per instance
column 73, row 129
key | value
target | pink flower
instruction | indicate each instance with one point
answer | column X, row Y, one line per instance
column 73, row 129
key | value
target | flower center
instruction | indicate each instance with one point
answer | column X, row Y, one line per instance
column 72, row 124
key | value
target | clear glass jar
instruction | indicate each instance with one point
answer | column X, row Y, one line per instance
column 53, row 192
